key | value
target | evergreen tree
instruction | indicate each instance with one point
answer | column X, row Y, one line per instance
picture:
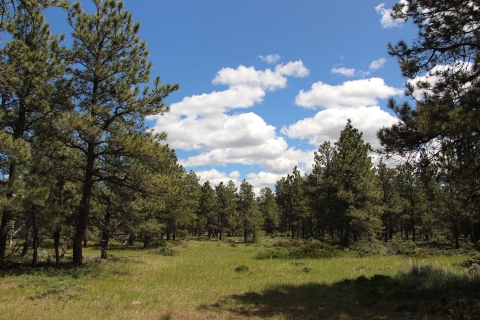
column 322, row 189
column 446, row 47
column 207, row 210
column 226, row 205
column 413, row 194
column 391, row 203
column 358, row 193
column 34, row 57
column 107, row 104
column 192, row 191
column 269, row 209
column 283, row 199
column 250, row 216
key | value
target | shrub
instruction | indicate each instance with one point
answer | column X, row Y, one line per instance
column 242, row 268
column 164, row 251
column 313, row 250
column 474, row 258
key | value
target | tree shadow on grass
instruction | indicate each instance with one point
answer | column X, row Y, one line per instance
column 421, row 293
column 93, row 267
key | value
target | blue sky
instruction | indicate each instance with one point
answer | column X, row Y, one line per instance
column 264, row 83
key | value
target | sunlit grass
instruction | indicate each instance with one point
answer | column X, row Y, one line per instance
column 139, row 284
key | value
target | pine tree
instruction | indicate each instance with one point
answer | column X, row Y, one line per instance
column 447, row 48
column 269, row 209
column 34, row 57
column 226, row 205
column 322, row 188
column 358, row 194
column 250, row 216
column 207, row 210
column 390, row 200
column 413, row 194
column 107, row 105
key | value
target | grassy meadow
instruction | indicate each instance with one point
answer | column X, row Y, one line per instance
column 227, row 280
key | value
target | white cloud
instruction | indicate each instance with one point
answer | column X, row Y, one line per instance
column 344, row 71
column 265, row 79
column 215, row 177
column 216, row 131
column 234, row 175
column 248, row 76
column 271, row 58
column 327, row 124
column 246, row 154
column 263, row 179
column 295, row 69
column 356, row 93
column 377, row 64
column 387, row 20
column 290, row 158
column 237, row 96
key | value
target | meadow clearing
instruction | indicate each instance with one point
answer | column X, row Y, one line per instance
column 226, row 280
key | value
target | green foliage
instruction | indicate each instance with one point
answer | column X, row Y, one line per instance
column 250, row 217
column 242, row 268
column 165, row 251
column 474, row 258
column 310, row 250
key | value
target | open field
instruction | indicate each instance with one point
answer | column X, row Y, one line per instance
column 215, row 280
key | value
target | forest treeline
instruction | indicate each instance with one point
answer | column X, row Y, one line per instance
column 78, row 162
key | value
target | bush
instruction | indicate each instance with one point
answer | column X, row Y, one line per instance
column 312, row 250
column 474, row 258
column 287, row 243
column 164, row 251
column 242, row 268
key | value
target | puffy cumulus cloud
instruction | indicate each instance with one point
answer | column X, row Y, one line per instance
column 295, row 69
column 344, row 71
column 355, row 93
column 271, row 58
column 262, row 180
column 377, row 64
column 269, row 149
column 234, row 175
column 215, row 177
column 290, row 158
column 387, row 20
column 327, row 124
column 235, row 97
column 265, row 79
column 216, row 131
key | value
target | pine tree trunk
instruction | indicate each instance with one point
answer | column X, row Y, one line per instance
column 7, row 214
column 413, row 230
column 131, row 239
column 26, row 245
column 221, row 229
column 455, row 234
column 84, row 211
column 35, row 239
column 56, row 240
column 146, row 241
column 346, row 239
column 106, row 231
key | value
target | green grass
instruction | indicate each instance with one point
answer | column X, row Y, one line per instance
column 215, row 280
